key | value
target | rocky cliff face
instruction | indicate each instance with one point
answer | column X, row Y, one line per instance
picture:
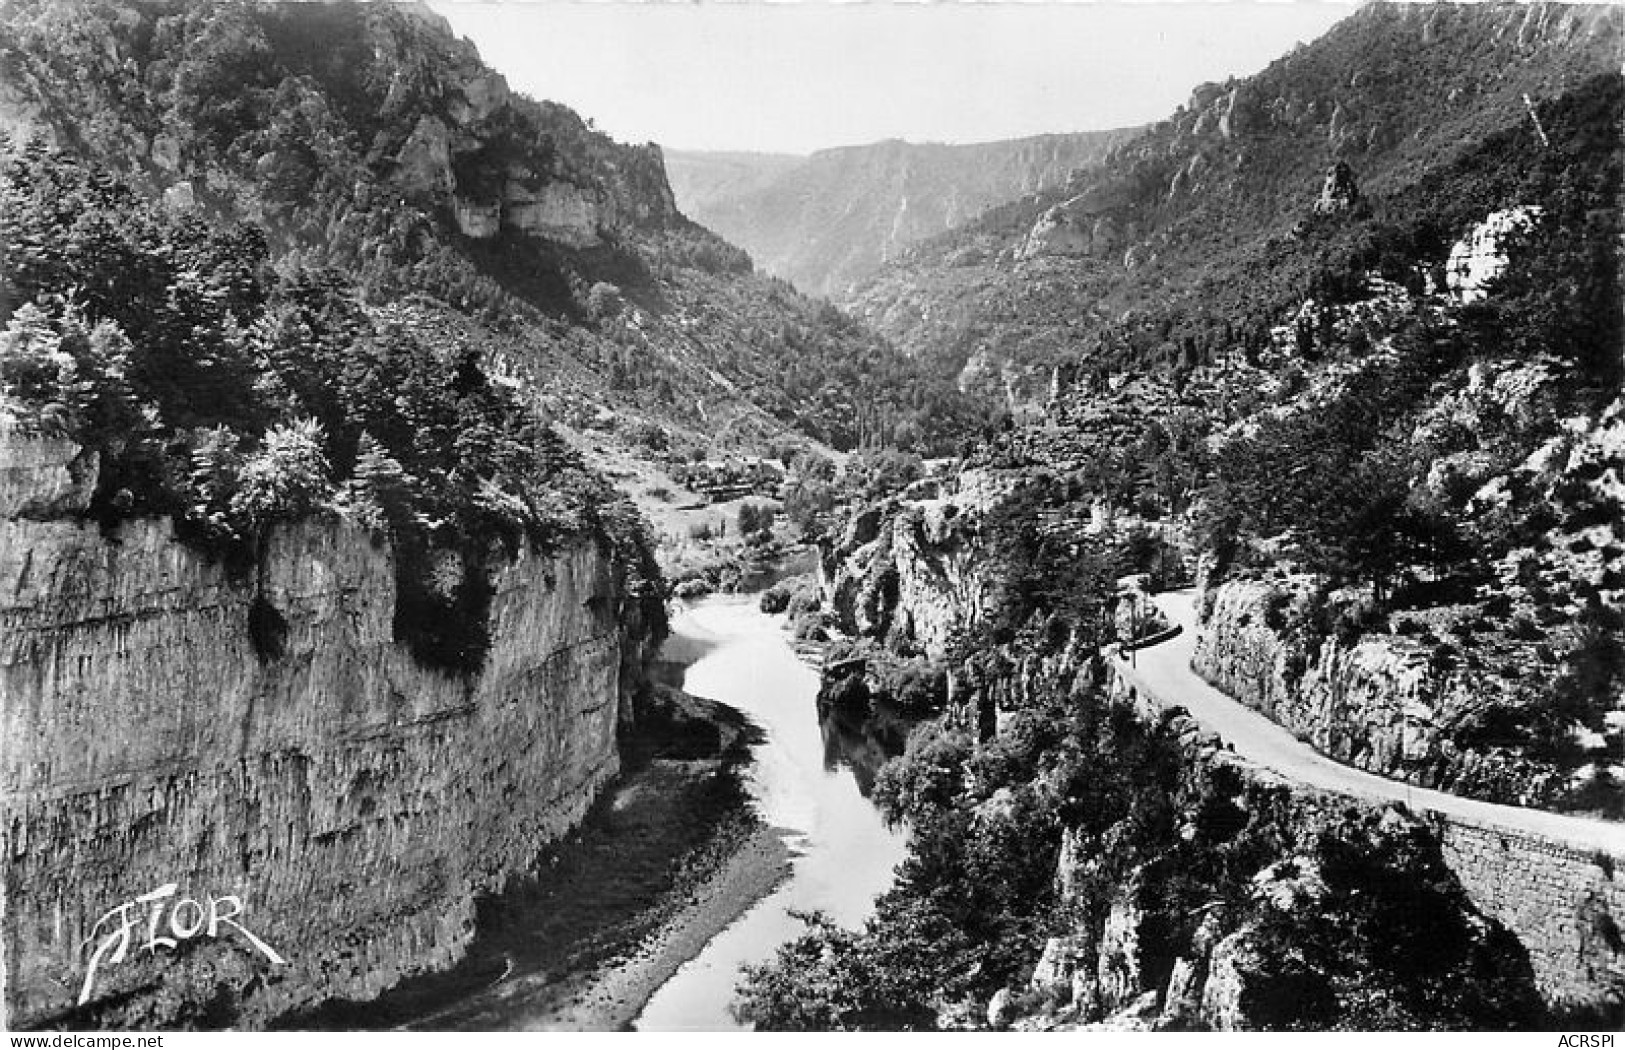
column 1480, row 257
column 912, row 572
column 1370, row 704
column 1132, row 971
column 333, row 103
column 1139, row 947
column 42, row 476
column 1517, row 915
column 261, row 736
column 1377, row 701
column 1206, row 201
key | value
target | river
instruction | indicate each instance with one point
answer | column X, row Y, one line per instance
column 807, row 781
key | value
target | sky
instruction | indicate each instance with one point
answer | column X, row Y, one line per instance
column 793, row 77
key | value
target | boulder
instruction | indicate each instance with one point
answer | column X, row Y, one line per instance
column 1000, row 1011
column 1228, row 971
column 1479, row 258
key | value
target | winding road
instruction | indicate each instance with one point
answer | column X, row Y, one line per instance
column 1163, row 672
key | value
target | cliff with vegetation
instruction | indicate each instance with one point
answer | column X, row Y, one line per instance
column 1199, row 233
column 1082, row 859
column 310, row 619
column 1352, row 362
column 1394, row 429
column 263, row 735
column 369, row 139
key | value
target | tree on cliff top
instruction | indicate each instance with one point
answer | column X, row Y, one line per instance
column 231, row 397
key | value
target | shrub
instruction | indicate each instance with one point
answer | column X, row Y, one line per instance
column 1357, row 619
column 809, row 626
column 806, row 599
column 286, row 479
column 916, row 686
column 692, row 588
column 1523, row 629
column 775, row 599
column 1275, row 609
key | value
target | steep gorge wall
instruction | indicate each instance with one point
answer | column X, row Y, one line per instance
column 1564, row 906
column 1374, row 703
column 913, row 569
column 355, row 802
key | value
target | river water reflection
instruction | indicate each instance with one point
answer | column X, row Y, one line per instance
column 808, row 780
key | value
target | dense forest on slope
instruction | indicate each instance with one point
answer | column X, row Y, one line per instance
column 1192, row 231
column 230, row 397
column 1080, row 824
column 1342, row 344
column 1452, row 452
column 366, row 138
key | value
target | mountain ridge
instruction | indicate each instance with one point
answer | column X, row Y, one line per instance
column 835, row 215
column 371, row 140
column 1238, row 165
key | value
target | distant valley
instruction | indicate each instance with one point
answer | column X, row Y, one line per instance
column 1204, row 539
column 829, row 220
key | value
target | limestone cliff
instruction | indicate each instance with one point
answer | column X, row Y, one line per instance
column 368, row 102
column 910, row 572
column 261, row 735
column 915, row 574
column 1370, row 703
column 1138, row 947
column 1379, row 701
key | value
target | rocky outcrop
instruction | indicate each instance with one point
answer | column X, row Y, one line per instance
column 1140, row 961
column 914, row 574
column 1376, row 701
column 423, row 165
column 402, row 108
column 1089, row 224
column 911, row 572
column 1339, row 192
column 557, row 210
column 1142, row 957
column 1479, row 258
column 259, row 738
column 1230, row 970
column 1368, row 705
column 1561, row 903
column 42, row 476
column 1057, row 233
